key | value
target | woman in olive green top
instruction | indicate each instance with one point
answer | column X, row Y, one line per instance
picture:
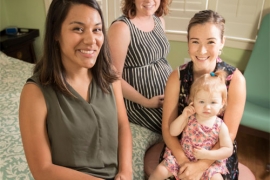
column 72, row 116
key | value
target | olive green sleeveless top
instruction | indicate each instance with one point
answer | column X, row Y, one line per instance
column 82, row 135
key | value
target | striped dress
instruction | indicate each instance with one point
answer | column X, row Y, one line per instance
column 147, row 70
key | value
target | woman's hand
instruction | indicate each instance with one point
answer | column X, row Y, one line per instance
column 192, row 170
column 155, row 102
column 123, row 176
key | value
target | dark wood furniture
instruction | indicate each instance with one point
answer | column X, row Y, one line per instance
column 20, row 46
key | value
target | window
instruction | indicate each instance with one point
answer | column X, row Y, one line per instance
column 180, row 13
column 242, row 19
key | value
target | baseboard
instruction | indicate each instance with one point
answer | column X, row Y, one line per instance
column 253, row 132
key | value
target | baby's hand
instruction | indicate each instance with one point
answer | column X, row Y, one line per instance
column 200, row 153
column 189, row 110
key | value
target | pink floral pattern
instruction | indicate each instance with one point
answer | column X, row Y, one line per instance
column 197, row 135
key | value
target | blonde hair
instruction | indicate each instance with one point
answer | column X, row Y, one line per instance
column 213, row 82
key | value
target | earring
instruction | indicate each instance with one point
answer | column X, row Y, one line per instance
column 219, row 52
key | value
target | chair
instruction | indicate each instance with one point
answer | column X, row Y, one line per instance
column 257, row 113
column 256, row 116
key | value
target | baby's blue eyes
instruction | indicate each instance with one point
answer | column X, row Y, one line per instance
column 201, row 102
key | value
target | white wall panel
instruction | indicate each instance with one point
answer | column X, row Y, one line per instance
column 180, row 13
column 242, row 17
column 104, row 7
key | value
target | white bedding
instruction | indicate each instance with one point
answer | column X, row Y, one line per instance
column 13, row 75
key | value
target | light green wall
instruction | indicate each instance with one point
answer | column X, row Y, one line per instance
column 233, row 56
column 3, row 17
column 24, row 14
column 236, row 57
column 178, row 52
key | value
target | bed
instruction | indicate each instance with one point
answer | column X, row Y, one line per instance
column 13, row 74
column 13, row 165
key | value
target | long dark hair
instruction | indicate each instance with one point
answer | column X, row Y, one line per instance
column 50, row 68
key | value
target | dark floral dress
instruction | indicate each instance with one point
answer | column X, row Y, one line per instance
column 186, row 78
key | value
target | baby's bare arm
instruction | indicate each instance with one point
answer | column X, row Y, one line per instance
column 178, row 125
column 225, row 150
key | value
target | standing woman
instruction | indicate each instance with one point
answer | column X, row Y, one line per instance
column 139, row 48
column 73, row 120
column 205, row 43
